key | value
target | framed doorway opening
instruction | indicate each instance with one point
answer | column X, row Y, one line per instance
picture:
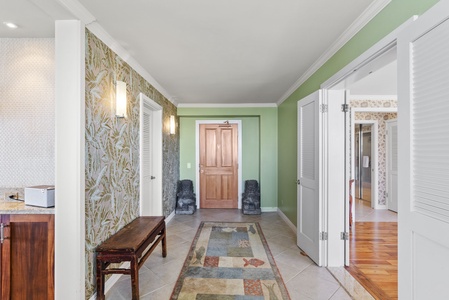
column 197, row 157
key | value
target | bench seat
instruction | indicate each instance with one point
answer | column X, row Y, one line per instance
column 130, row 244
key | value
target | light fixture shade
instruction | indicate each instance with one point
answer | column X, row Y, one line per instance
column 120, row 100
column 172, row 125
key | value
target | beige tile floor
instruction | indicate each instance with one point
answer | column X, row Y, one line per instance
column 303, row 278
column 364, row 213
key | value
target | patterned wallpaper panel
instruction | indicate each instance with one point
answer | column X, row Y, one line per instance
column 27, row 113
column 381, row 117
column 112, row 149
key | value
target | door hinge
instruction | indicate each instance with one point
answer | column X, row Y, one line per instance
column 323, row 236
column 2, row 233
column 323, row 108
column 344, row 236
column 344, row 107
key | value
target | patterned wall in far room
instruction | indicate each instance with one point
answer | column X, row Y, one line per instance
column 112, row 149
column 381, row 117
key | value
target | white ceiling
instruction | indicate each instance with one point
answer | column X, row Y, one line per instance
column 380, row 82
column 202, row 51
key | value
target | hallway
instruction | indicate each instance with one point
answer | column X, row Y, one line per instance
column 303, row 278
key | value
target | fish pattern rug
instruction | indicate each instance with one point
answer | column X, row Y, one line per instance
column 229, row 261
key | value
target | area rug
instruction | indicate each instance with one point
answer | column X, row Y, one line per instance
column 229, row 261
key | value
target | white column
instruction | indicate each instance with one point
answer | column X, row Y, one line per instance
column 70, row 178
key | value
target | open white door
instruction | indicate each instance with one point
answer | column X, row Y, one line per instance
column 309, row 160
column 392, row 165
column 423, row 156
column 150, row 157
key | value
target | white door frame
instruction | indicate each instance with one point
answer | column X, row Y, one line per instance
column 375, row 179
column 197, row 156
column 152, row 206
column 336, row 257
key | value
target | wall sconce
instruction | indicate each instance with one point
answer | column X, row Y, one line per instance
column 120, row 99
column 172, row 125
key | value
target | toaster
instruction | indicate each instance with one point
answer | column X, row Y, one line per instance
column 40, row 195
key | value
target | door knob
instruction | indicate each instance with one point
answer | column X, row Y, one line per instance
column 152, row 177
column 298, row 182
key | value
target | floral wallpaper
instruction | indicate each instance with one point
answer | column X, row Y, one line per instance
column 381, row 117
column 112, row 149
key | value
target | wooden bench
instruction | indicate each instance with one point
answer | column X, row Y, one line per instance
column 131, row 243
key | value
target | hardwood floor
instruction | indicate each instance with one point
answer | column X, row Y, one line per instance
column 374, row 257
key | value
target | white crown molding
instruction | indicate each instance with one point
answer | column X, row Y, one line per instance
column 104, row 36
column 225, row 105
column 367, row 15
column 77, row 9
column 373, row 97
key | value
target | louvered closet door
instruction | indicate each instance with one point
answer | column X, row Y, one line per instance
column 309, row 198
column 423, row 171
column 146, row 159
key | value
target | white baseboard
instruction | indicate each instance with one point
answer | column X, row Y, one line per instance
column 111, row 281
column 287, row 220
column 170, row 217
column 381, row 206
column 269, row 209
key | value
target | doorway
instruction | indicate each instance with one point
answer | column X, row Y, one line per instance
column 363, row 161
column 151, row 157
column 373, row 234
column 218, row 182
column 369, row 107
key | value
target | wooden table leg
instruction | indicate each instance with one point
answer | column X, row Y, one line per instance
column 164, row 243
column 100, row 280
column 134, row 278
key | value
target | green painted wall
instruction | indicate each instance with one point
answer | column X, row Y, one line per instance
column 396, row 13
column 259, row 143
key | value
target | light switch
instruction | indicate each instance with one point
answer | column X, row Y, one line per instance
column 189, row 165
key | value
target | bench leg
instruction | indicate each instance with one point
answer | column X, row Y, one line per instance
column 134, row 278
column 164, row 243
column 100, row 280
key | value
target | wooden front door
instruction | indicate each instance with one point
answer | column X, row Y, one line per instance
column 218, row 166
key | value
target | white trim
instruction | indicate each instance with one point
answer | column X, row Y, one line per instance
column 170, row 217
column 224, row 105
column 287, row 220
column 197, row 157
column 369, row 13
column 70, row 149
column 77, row 9
column 373, row 97
column 374, row 109
column 154, row 208
column 269, row 209
column 383, row 46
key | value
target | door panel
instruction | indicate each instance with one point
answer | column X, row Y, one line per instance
column 309, row 198
column 423, row 156
column 146, row 159
column 218, row 166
